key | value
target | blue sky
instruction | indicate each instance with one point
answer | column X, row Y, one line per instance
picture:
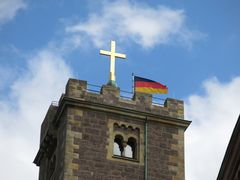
column 191, row 46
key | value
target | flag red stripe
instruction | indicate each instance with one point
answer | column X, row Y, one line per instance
column 149, row 84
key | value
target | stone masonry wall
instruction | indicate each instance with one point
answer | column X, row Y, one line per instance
column 165, row 152
column 91, row 152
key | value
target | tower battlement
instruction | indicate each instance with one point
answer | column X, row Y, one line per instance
column 110, row 95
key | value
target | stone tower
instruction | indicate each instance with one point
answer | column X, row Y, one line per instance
column 102, row 136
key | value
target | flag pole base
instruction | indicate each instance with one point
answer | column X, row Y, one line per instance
column 112, row 83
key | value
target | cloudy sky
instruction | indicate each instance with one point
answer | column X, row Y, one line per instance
column 191, row 46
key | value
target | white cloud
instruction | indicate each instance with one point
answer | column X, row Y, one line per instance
column 5, row 76
column 23, row 110
column 9, row 8
column 146, row 26
column 213, row 118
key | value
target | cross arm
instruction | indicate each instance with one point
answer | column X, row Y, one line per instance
column 103, row 52
column 123, row 56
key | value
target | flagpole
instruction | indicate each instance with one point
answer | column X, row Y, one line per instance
column 133, row 87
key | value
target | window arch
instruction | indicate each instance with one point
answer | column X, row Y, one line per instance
column 132, row 145
column 118, row 145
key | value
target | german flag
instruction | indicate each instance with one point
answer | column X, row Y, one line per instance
column 144, row 85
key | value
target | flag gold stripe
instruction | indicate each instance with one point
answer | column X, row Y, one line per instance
column 151, row 90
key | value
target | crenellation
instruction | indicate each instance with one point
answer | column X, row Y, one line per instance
column 110, row 95
column 143, row 100
column 76, row 88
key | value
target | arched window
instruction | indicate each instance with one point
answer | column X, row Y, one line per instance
column 118, row 145
column 125, row 149
column 124, row 142
column 131, row 150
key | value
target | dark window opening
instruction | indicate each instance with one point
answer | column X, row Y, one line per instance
column 118, row 145
column 132, row 146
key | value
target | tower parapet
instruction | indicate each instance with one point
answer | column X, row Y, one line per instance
column 110, row 95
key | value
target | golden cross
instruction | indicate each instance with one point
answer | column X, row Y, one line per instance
column 113, row 55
